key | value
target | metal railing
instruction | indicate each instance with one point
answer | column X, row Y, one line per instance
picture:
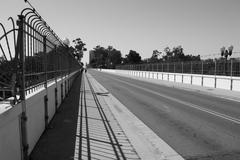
column 210, row 67
column 31, row 55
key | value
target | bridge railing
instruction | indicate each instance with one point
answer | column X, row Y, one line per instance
column 31, row 55
column 36, row 73
column 211, row 67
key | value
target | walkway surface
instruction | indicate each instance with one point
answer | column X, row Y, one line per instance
column 92, row 124
column 84, row 128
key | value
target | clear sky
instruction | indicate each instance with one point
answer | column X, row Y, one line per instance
column 200, row 26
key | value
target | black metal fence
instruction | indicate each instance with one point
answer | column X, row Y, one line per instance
column 210, row 67
column 31, row 55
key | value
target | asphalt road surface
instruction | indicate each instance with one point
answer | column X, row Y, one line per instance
column 197, row 126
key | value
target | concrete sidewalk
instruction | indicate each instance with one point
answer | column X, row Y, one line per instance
column 92, row 124
column 84, row 128
column 58, row 141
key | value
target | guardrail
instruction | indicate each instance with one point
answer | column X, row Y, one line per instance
column 220, row 67
column 221, row 82
column 36, row 72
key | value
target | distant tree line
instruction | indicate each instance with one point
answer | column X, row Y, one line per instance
column 176, row 54
column 110, row 57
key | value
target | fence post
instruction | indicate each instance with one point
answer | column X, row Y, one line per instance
column 202, row 75
column 182, row 67
column 231, row 85
column 182, row 72
column 21, row 75
column 168, row 71
column 56, row 76
column 162, row 71
column 215, row 73
column 45, row 82
column 61, row 71
column 174, row 68
column 191, row 71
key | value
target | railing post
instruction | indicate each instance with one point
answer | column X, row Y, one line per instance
column 182, row 67
column 174, row 68
column 21, row 77
column 202, row 75
column 182, row 72
column 168, row 71
column 215, row 73
column 191, row 72
column 162, row 71
column 46, row 117
column 231, row 85
column 56, row 77
column 45, row 60
column 61, row 71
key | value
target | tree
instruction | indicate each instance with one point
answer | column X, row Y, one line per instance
column 114, row 57
column 79, row 48
column 177, row 54
column 154, row 57
column 100, row 55
column 132, row 58
column 105, row 57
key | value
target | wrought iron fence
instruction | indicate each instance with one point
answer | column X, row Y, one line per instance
column 209, row 67
column 31, row 55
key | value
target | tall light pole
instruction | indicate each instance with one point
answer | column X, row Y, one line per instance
column 226, row 53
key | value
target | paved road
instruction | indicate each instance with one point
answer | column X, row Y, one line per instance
column 197, row 126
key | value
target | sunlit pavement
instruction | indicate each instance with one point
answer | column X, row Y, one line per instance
column 84, row 128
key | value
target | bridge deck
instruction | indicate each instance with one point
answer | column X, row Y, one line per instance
column 84, row 128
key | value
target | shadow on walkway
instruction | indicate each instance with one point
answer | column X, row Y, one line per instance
column 58, row 142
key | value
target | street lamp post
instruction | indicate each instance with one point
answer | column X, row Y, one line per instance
column 226, row 53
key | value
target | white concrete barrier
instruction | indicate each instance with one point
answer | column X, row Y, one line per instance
column 10, row 136
column 10, row 126
column 221, row 82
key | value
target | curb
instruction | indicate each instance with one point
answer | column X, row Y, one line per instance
column 146, row 143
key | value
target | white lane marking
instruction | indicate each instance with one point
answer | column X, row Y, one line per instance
column 147, row 144
column 224, row 116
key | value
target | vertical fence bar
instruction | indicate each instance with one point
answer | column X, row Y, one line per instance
column 56, row 77
column 174, row 68
column 182, row 72
column 231, row 85
column 61, row 72
column 191, row 72
column 21, row 75
column 45, row 81
column 168, row 71
column 162, row 71
column 202, row 75
column 215, row 72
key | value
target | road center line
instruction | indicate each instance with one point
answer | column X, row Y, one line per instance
column 224, row 116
